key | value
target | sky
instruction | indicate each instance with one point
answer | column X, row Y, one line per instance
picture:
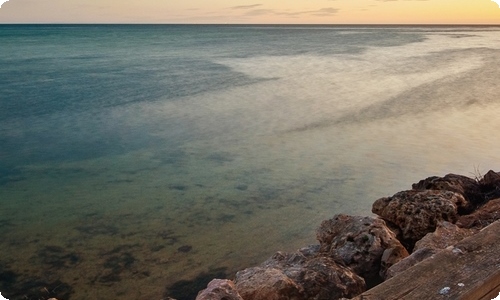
column 252, row 11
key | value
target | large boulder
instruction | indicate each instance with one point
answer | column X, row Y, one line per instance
column 301, row 275
column 417, row 212
column 219, row 289
column 360, row 242
column 467, row 187
column 482, row 217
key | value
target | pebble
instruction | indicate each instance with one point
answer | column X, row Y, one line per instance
column 445, row 290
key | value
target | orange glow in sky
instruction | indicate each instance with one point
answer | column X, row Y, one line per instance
column 250, row 11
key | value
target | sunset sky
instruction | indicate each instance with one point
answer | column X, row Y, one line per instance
column 249, row 11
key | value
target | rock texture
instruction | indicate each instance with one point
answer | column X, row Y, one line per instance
column 446, row 234
column 484, row 216
column 219, row 289
column 301, row 275
column 360, row 242
column 469, row 188
column 417, row 213
column 490, row 185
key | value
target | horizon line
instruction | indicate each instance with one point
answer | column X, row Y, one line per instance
column 258, row 24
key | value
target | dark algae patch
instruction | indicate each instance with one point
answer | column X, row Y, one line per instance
column 57, row 257
column 117, row 261
column 14, row 286
column 185, row 248
column 188, row 289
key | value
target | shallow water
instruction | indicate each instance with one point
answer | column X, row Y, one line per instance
column 139, row 161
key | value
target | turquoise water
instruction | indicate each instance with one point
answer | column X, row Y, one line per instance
column 138, row 161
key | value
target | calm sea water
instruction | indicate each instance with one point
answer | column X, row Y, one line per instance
column 138, row 162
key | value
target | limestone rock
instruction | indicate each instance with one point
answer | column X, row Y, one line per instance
column 446, row 234
column 219, row 289
column 360, row 242
column 260, row 283
column 465, row 186
column 490, row 185
column 301, row 275
column 417, row 213
column 482, row 217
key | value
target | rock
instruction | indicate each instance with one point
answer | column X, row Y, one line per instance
column 446, row 234
column 469, row 188
column 410, row 261
column 260, row 283
column 482, row 217
column 219, row 289
column 360, row 242
column 417, row 212
column 490, row 185
column 300, row 275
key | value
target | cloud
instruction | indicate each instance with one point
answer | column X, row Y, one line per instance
column 323, row 12
column 243, row 6
column 2, row 2
column 497, row 2
column 327, row 11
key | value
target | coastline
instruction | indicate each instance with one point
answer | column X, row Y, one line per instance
column 358, row 253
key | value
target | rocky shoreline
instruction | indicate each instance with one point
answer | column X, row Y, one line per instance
column 356, row 253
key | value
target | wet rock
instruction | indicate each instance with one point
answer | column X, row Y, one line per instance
column 482, row 217
column 410, row 261
column 467, row 187
column 446, row 234
column 300, row 275
column 361, row 242
column 417, row 213
column 219, row 289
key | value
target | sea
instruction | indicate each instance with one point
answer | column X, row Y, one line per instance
column 141, row 161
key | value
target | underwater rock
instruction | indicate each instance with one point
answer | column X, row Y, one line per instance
column 482, row 217
column 219, row 289
column 417, row 213
column 361, row 242
column 469, row 188
column 304, row 274
column 446, row 234
column 185, row 248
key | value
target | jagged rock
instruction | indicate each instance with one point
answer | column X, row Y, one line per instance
column 260, row 283
column 300, row 275
column 417, row 213
column 469, row 188
column 410, row 261
column 219, row 289
column 446, row 234
column 490, row 185
column 360, row 242
column 482, row 217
